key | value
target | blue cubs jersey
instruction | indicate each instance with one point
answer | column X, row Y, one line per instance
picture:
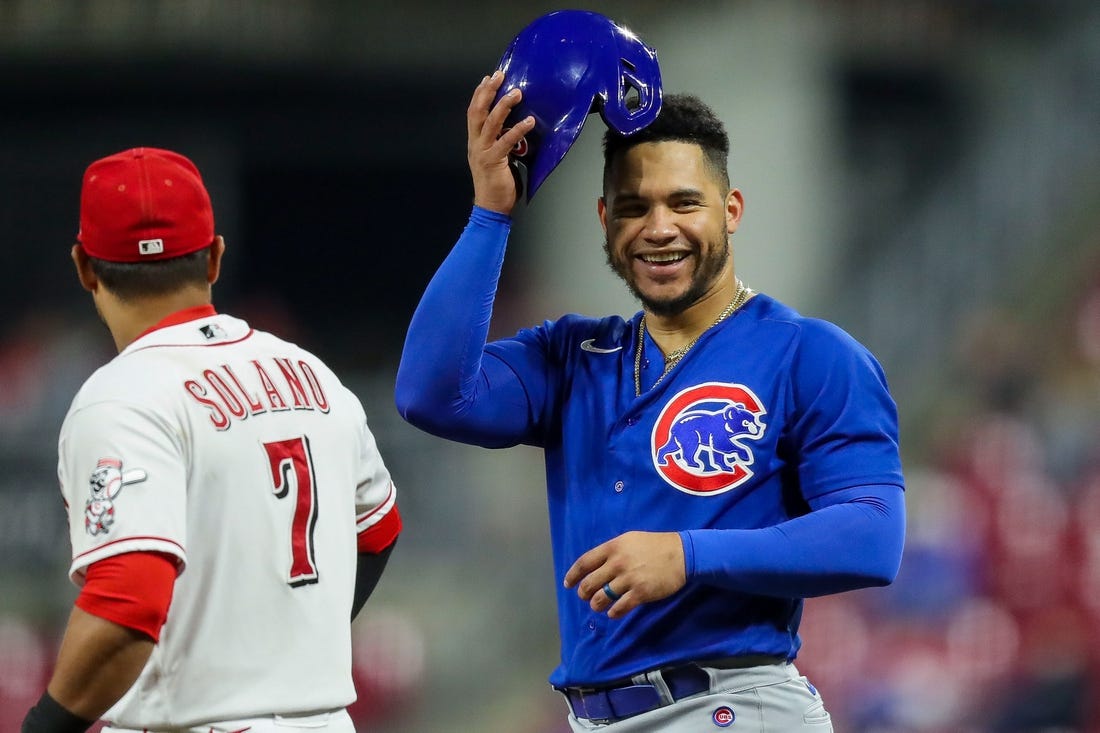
column 770, row 416
column 767, row 411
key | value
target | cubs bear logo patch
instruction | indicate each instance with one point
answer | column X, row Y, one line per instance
column 104, row 484
column 699, row 442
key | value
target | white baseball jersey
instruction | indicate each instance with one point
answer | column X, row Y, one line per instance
column 244, row 457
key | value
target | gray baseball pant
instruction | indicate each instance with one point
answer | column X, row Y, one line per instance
column 772, row 698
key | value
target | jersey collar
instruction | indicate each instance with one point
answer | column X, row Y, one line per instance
column 183, row 316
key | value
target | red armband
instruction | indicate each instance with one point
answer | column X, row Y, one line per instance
column 381, row 534
column 132, row 590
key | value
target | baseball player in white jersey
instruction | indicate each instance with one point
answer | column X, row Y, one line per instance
column 229, row 511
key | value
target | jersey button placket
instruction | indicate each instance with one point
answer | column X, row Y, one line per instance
column 619, row 486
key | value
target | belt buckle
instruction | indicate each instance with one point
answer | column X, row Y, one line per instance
column 586, row 693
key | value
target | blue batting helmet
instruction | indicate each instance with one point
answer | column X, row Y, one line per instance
column 569, row 64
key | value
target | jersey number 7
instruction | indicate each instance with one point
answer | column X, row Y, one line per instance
column 284, row 457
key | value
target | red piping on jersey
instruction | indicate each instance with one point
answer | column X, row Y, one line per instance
column 372, row 512
column 130, row 539
column 383, row 533
column 196, row 346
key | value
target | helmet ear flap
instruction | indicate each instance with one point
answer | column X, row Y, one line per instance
column 637, row 99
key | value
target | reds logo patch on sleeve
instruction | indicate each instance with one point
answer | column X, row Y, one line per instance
column 104, row 484
column 699, row 440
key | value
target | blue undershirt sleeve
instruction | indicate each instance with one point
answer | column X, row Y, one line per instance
column 445, row 384
column 852, row 538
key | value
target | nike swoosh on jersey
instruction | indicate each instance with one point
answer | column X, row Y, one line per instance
column 589, row 345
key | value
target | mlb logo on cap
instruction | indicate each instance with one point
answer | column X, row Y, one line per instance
column 151, row 246
column 144, row 204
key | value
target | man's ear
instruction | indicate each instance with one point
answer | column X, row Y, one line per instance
column 601, row 209
column 735, row 207
column 214, row 262
column 84, row 271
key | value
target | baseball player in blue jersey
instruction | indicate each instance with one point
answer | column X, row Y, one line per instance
column 710, row 462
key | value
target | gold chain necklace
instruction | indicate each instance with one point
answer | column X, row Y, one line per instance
column 673, row 357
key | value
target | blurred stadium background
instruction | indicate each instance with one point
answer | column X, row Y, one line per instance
column 924, row 172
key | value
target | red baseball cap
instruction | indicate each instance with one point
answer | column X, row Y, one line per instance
column 144, row 204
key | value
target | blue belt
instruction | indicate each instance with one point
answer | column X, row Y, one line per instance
column 618, row 702
column 609, row 704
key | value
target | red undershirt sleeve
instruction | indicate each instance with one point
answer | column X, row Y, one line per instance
column 381, row 535
column 132, row 590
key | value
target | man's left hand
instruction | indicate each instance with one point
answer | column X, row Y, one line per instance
column 639, row 567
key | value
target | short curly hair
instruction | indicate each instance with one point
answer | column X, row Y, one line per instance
column 683, row 118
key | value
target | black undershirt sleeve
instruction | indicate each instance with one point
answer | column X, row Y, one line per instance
column 368, row 569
